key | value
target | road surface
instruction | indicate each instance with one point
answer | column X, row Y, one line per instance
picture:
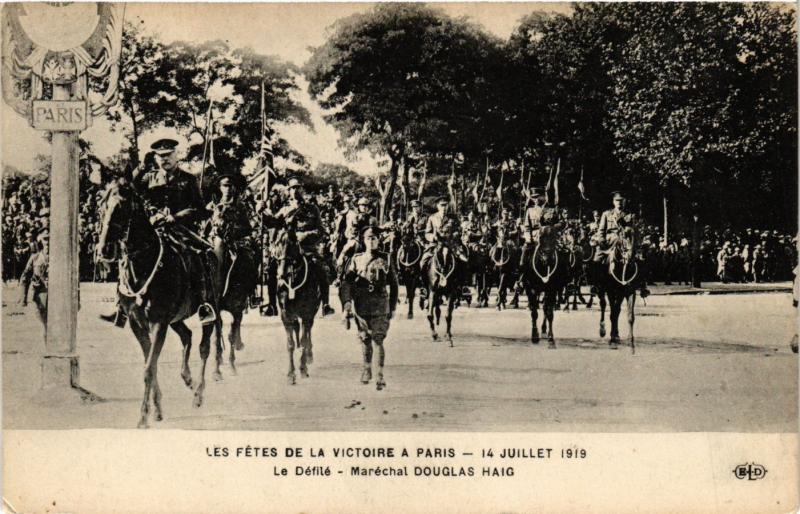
column 703, row 363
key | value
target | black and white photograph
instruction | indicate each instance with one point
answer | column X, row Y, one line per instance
column 468, row 218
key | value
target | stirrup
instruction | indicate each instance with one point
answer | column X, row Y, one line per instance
column 206, row 314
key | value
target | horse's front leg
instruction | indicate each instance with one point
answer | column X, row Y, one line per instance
column 601, row 296
column 631, row 304
column 431, row 309
column 616, row 307
column 550, row 299
column 217, row 326
column 410, row 292
column 205, row 350
column 289, row 326
column 451, row 304
column 305, row 342
column 143, row 336
column 235, row 340
column 185, row 335
column 533, row 306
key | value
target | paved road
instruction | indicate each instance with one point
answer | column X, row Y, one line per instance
column 703, row 363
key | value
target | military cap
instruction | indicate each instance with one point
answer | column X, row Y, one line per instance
column 164, row 146
column 371, row 229
column 415, row 203
column 363, row 201
column 442, row 199
column 293, row 182
column 232, row 179
column 536, row 192
column 617, row 194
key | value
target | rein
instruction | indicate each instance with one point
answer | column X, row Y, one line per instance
column 401, row 252
column 503, row 261
column 545, row 278
column 234, row 256
column 437, row 265
column 288, row 283
column 124, row 284
column 622, row 280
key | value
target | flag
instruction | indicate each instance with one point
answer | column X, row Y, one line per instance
column 208, row 143
column 547, row 187
column 266, row 157
column 581, row 187
column 500, row 189
column 555, row 182
column 211, row 140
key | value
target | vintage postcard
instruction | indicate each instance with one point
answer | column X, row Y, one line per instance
column 399, row 257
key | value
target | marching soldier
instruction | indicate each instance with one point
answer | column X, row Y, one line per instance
column 35, row 276
column 308, row 226
column 364, row 293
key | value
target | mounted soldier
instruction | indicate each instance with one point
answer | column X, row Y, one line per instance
column 417, row 218
column 442, row 229
column 612, row 222
column 305, row 219
column 536, row 217
column 229, row 226
column 355, row 225
column 173, row 201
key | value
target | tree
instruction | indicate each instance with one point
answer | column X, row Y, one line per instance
column 403, row 81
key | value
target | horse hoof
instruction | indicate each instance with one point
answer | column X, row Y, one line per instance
column 380, row 384
column 198, row 400
column 309, row 357
column 187, row 380
column 534, row 339
column 551, row 345
column 234, row 371
column 366, row 376
column 159, row 417
column 291, row 379
column 217, row 376
column 142, row 424
column 602, row 332
column 435, row 337
column 304, row 373
column 239, row 346
column 410, row 315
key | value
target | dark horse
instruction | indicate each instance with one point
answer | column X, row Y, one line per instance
column 408, row 254
column 156, row 284
column 505, row 259
column 238, row 279
column 479, row 270
column 545, row 272
column 298, row 298
column 619, row 277
column 444, row 275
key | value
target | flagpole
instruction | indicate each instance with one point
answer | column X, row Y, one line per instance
column 205, row 142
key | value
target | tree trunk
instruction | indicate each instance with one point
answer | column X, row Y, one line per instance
column 666, row 220
column 387, row 193
column 406, row 190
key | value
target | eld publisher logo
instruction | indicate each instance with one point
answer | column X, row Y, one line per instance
column 751, row 471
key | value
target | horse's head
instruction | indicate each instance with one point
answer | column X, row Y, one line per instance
column 548, row 239
column 118, row 205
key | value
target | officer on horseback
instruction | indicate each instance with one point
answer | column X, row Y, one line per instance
column 229, row 225
column 611, row 224
column 417, row 218
column 536, row 217
column 355, row 225
column 364, row 293
column 173, row 200
column 304, row 217
column 442, row 228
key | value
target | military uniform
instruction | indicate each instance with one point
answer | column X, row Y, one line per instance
column 535, row 218
column 35, row 276
column 230, row 222
column 441, row 229
column 364, row 286
column 304, row 218
column 611, row 223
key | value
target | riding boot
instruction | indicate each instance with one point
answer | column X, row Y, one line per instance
column 119, row 318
